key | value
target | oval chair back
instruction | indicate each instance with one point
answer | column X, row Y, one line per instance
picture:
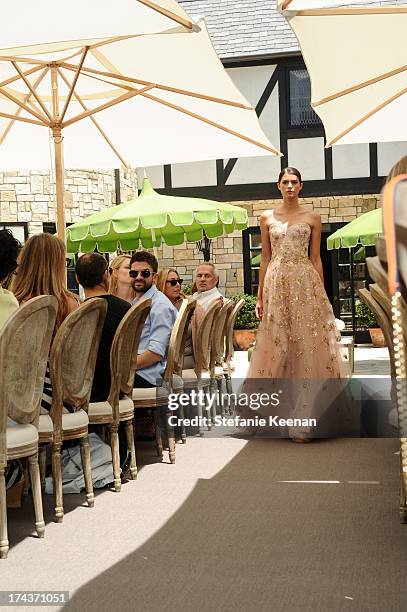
column 203, row 337
column 178, row 338
column 230, row 323
column 124, row 350
column 382, row 319
column 24, row 348
column 73, row 358
column 219, row 333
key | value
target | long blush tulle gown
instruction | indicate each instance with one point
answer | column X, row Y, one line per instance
column 297, row 346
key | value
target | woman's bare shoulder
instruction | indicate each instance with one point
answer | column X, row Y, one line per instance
column 265, row 216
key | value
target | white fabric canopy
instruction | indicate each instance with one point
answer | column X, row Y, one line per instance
column 190, row 110
column 134, row 81
column 53, row 25
column 356, row 59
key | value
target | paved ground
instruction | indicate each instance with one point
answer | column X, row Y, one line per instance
column 235, row 524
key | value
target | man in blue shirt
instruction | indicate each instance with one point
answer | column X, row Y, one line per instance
column 155, row 337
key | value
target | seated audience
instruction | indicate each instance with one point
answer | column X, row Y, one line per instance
column 169, row 283
column 9, row 248
column 206, row 281
column 42, row 271
column 119, row 279
column 92, row 274
column 155, row 337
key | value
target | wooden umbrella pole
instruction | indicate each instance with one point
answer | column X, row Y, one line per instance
column 59, row 181
column 58, row 153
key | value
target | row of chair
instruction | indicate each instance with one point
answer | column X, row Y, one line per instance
column 25, row 343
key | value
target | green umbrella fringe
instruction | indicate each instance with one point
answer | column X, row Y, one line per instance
column 224, row 218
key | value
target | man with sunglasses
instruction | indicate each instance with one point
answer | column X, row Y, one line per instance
column 155, row 337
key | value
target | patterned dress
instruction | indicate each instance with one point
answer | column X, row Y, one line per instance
column 297, row 351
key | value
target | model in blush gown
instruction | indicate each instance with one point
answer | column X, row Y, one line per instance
column 297, row 341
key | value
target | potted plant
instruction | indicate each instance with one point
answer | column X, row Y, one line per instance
column 246, row 323
column 366, row 320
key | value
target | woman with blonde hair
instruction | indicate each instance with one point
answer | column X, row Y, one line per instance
column 119, row 278
column 169, row 283
column 42, row 271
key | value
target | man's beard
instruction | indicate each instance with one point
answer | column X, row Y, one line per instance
column 143, row 289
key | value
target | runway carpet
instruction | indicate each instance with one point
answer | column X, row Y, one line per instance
column 226, row 528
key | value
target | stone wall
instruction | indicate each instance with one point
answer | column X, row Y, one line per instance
column 29, row 197
column 228, row 251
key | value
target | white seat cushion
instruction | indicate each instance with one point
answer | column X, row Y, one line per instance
column 219, row 371
column 160, row 393
column 18, row 435
column 70, row 420
column 45, row 424
column 100, row 409
column 347, row 341
column 191, row 375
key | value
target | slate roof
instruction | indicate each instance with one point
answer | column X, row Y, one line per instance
column 250, row 28
column 241, row 28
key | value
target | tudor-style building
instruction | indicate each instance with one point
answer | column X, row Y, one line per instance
column 262, row 57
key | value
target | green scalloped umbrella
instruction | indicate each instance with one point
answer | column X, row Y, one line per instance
column 363, row 230
column 151, row 219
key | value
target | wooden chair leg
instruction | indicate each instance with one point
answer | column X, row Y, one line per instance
column 158, row 437
column 181, row 417
column 4, row 547
column 87, row 471
column 229, row 389
column 43, row 465
column 36, row 493
column 57, row 477
column 26, row 478
column 170, row 435
column 403, row 480
column 131, row 448
column 114, row 445
column 200, row 407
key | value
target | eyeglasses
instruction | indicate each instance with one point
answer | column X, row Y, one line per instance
column 142, row 273
column 175, row 281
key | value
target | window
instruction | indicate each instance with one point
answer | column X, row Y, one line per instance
column 301, row 114
column 19, row 230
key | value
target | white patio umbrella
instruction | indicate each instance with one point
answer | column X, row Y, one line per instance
column 356, row 59
column 135, row 81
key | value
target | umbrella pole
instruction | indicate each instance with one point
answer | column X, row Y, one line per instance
column 58, row 154
column 59, row 182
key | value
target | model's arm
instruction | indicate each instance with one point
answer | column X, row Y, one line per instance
column 315, row 245
column 265, row 259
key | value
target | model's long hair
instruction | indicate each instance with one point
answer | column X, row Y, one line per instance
column 42, row 271
column 115, row 265
column 162, row 277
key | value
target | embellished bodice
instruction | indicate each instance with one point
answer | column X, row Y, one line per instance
column 289, row 243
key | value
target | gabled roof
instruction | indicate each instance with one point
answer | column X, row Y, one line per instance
column 250, row 28
column 244, row 28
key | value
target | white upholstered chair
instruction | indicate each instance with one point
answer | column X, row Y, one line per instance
column 116, row 410
column 199, row 378
column 24, row 347
column 72, row 365
column 156, row 398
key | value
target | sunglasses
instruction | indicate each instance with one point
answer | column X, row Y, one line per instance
column 142, row 273
column 175, row 281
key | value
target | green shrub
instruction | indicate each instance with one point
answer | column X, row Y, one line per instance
column 187, row 288
column 246, row 318
column 364, row 316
